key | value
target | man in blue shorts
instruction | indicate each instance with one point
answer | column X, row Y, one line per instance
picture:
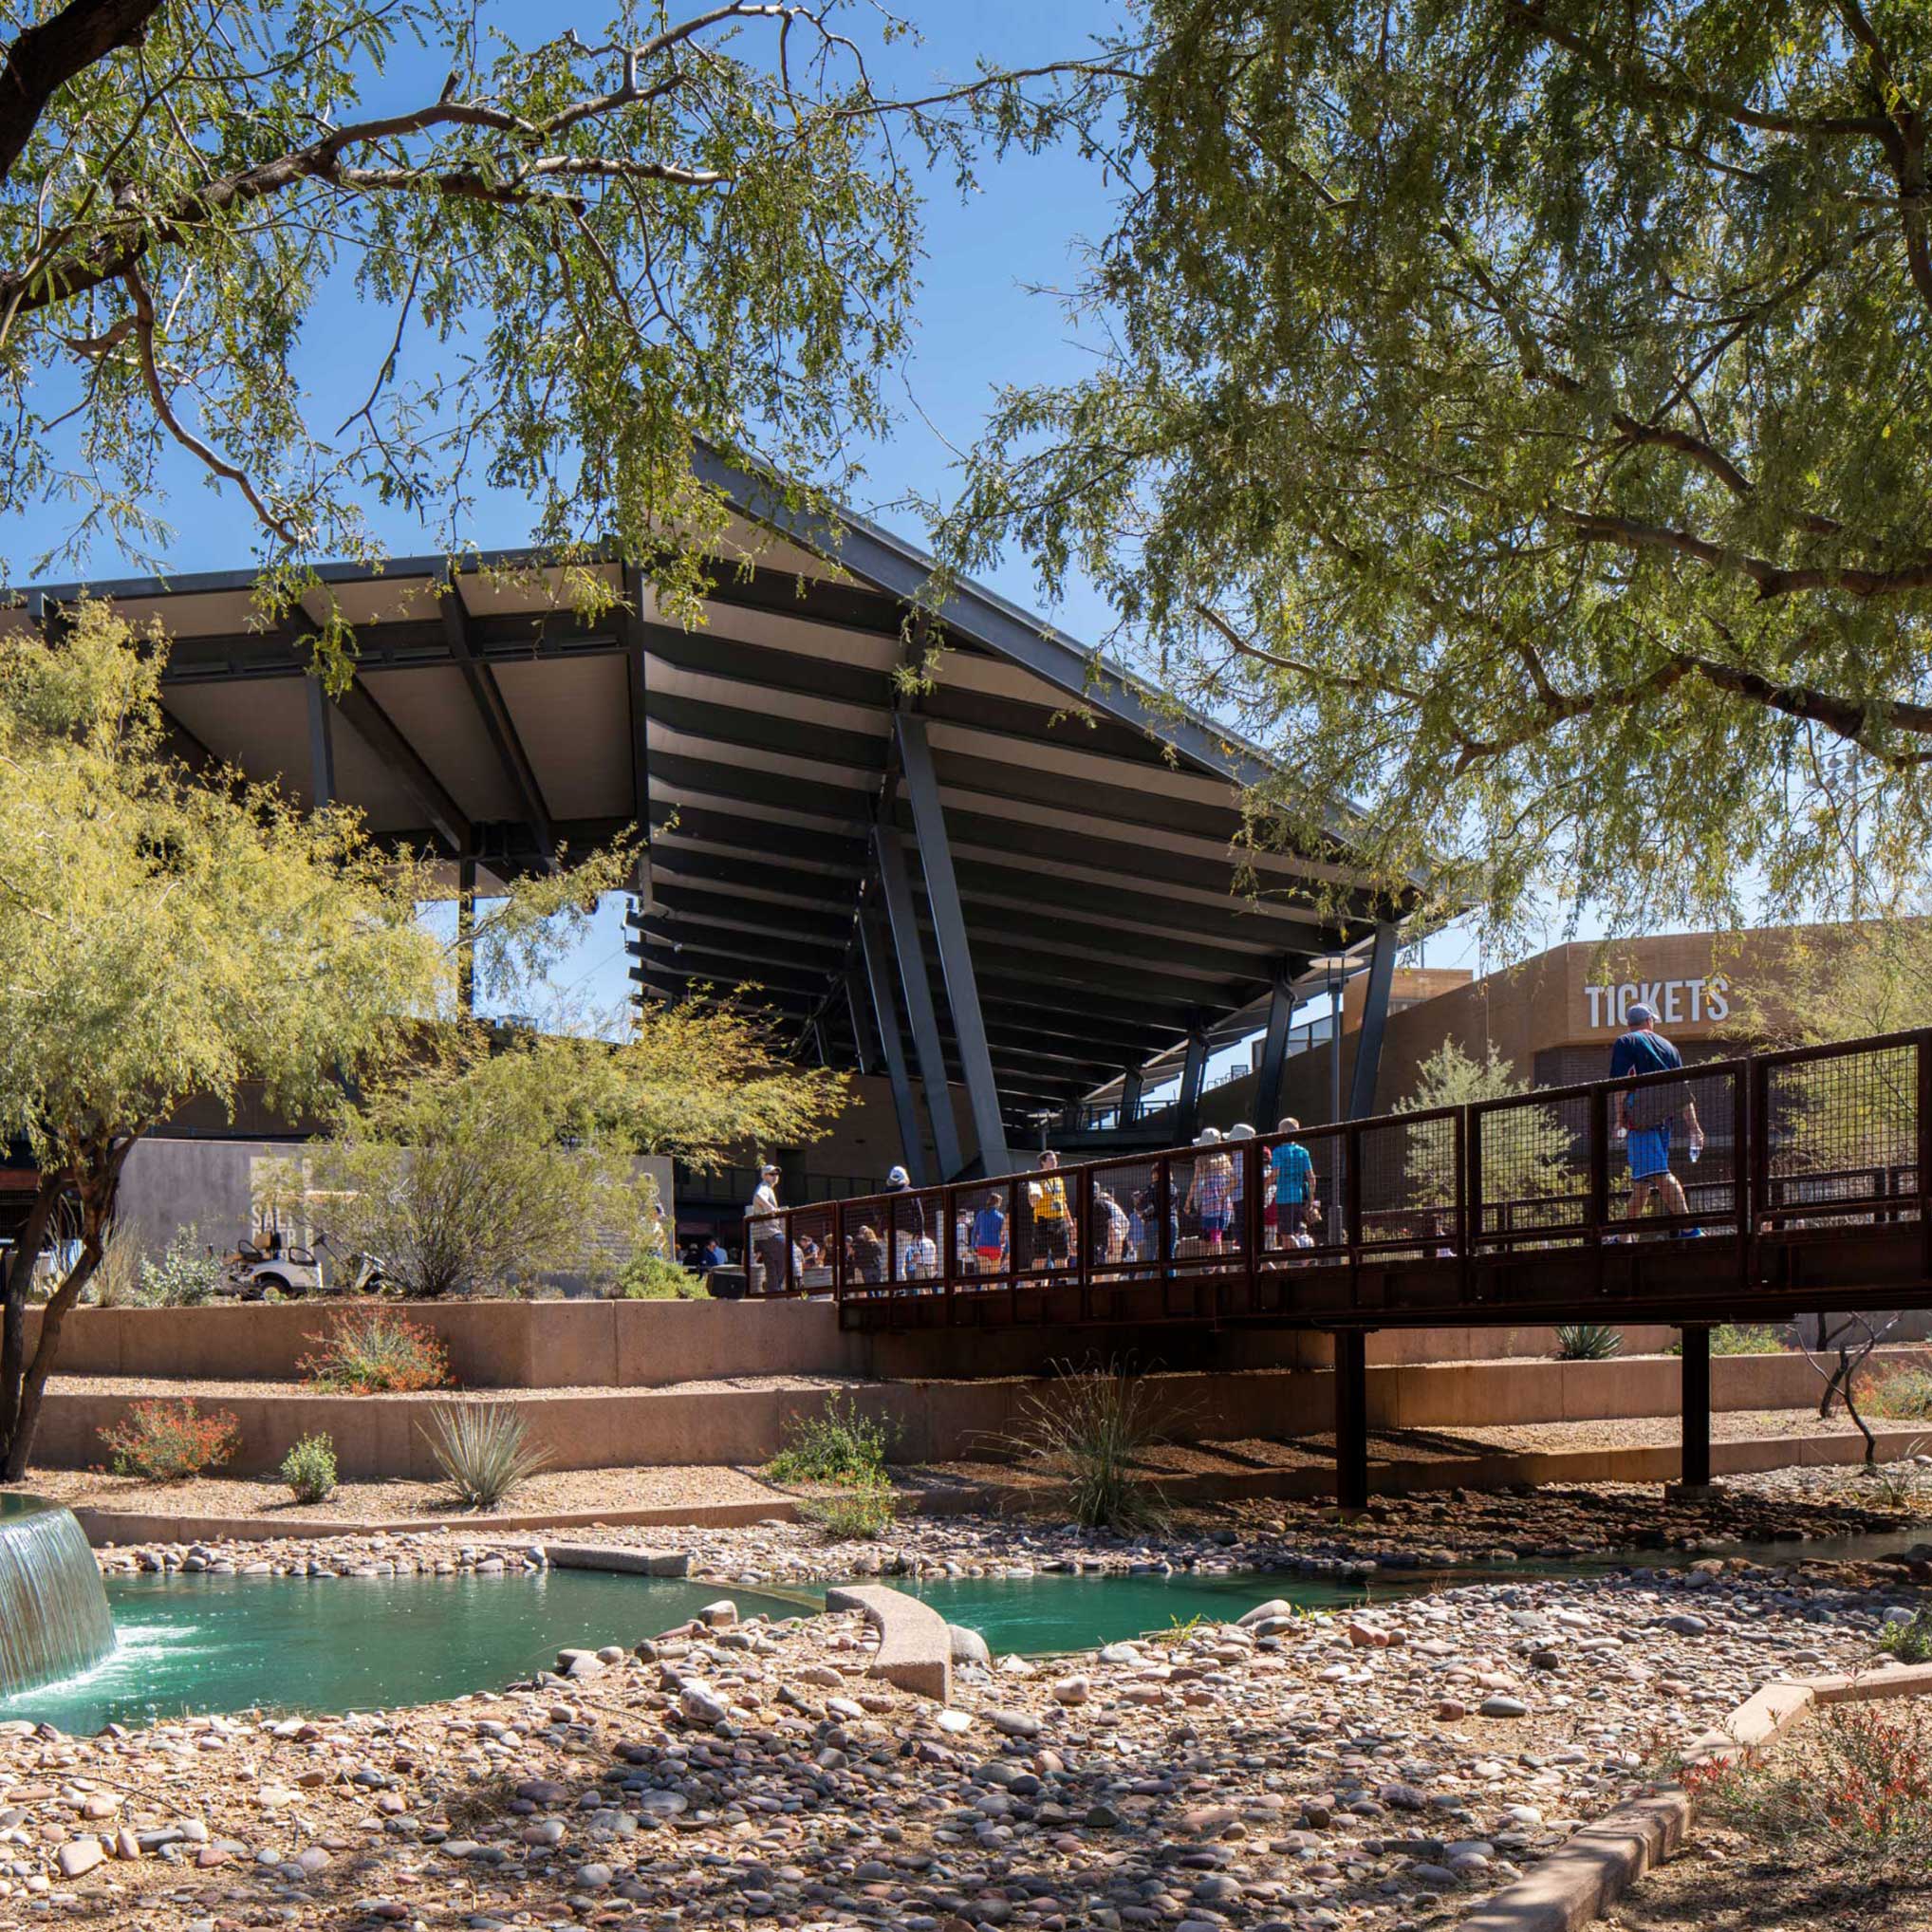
column 1646, row 1114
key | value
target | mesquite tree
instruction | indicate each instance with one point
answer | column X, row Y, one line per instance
column 1515, row 415
column 574, row 255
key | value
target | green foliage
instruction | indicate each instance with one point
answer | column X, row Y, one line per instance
column 485, row 1449
column 310, row 1470
column 496, row 1161
column 1092, row 1427
column 1588, row 1342
column 376, row 1352
column 186, row 1276
column 1515, row 419
column 838, row 1445
column 1526, row 1153
column 1905, row 1395
column 859, row 1513
column 170, row 1441
column 651, row 1277
column 1909, row 1643
column 1852, row 1787
column 1746, row 1338
column 574, row 258
column 167, row 938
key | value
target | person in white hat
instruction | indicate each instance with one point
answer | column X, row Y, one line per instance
column 1211, row 1193
column 765, row 1233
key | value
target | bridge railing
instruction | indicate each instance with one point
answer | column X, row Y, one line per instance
column 1441, row 1204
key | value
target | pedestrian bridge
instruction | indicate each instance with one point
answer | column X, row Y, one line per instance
column 1808, row 1193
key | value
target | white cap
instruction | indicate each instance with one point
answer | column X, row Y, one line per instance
column 1208, row 1137
column 1240, row 1131
column 898, row 1177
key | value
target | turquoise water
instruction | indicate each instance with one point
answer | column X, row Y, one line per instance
column 1035, row 1615
column 217, row 1643
column 235, row 1643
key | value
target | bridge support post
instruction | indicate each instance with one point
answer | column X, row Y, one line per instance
column 1695, row 1472
column 1352, row 1419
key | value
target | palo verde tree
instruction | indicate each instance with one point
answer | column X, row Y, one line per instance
column 488, row 1162
column 575, row 256
column 1515, row 414
column 1526, row 1149
column 165, row 940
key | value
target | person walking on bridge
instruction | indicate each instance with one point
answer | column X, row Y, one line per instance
column 1646, row 1114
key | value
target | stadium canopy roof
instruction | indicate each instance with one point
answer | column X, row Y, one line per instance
column 1094, row 836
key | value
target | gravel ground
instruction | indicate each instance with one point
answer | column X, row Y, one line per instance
column 1387, row 1770
column 558, row 1492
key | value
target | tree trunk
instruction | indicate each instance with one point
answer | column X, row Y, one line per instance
column 33, row 1234
column 1851, row 1410
column 100, row 1182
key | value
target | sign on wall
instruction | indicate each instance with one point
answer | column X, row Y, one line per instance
column 1675, row 1002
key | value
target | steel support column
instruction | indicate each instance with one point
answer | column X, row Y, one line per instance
column 919, row 1012
column 321, row 745
column 1695, row 1471
column 1374, row 1024
column 949, row 929
column 864, row 1035
column 1193, row 1068
column 1273, row 1054
column 636, row 684
column 873, row 946
column 466, row 931
column 1352, row 1419
column 1131, row 1085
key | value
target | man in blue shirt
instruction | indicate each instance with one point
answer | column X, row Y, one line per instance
column 1646, row 1114
column 1292, row 1189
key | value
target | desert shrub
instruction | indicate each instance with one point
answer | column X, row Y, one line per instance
column 1855, row 1784
column 1092, row 1427
column 1911, row 1643
column 1746, row 1338
column 650, row 1277
column 1588, row 1342
column 309, row 1469
column 185, row 1276
column 485, row 1449
column 1905, row 1394
column 376, row 1353
column 117, row 1276
column 837, row 1445
column 859, row 1513
column 169, row 1442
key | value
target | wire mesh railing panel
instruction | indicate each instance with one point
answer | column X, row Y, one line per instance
column 814, row 1238
column 1123, row 1218
column 1840, row 1135
column 983, row 1216
column 1529, row 1186
column 1409, row 1184
column 1043, row 1223
column 867, row 1244
column 916, row 1221
column 1304, row 1195
column 1210, row 1186
column 1678, row 1149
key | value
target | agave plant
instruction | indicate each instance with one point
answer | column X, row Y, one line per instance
column 485, row 1449
column 1588, row 1342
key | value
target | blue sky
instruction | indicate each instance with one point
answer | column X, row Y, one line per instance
column 981, row 324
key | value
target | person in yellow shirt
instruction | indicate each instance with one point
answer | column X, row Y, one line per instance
column 1053, row 1218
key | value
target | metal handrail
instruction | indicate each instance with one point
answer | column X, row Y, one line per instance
column 1468, row 1237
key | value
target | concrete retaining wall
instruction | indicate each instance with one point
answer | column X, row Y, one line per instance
column 655, row 1344
column 931, row 1422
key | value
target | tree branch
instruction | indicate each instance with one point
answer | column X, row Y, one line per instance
column 47, row 55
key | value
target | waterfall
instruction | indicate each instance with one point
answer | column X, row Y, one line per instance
column 53, row 1611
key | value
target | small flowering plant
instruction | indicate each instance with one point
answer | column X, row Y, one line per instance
column 170, row 1441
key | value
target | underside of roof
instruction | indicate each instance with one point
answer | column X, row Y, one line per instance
column 1109, row 902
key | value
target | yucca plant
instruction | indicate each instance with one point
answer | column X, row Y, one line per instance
column 485, row 1449
column 1588, row 1342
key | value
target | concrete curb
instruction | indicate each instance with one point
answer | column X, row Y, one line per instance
column 1603, row 1860
column 915, row 1645
column 1593, row 1871
column 615, row 1557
